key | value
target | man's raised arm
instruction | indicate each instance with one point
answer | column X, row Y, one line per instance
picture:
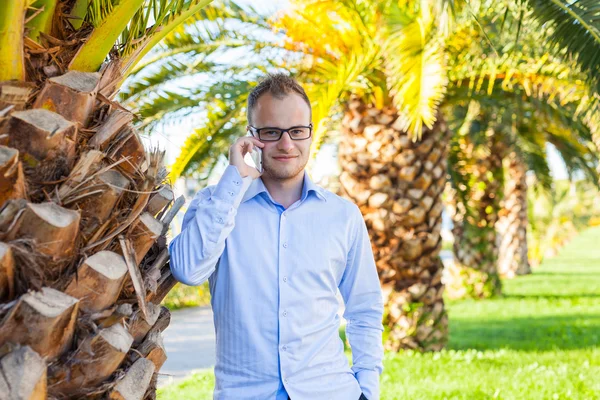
column 210, row 219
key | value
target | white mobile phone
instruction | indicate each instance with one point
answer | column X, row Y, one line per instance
column 256, row 156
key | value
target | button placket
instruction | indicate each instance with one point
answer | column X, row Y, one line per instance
column 282, row 293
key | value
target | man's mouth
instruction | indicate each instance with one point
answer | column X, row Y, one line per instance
column 284, row 158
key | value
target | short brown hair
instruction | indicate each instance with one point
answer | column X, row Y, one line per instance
column 278, row 85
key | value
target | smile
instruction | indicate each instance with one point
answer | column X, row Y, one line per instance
column 284, row 158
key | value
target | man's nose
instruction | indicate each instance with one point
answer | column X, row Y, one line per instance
column 286, row 142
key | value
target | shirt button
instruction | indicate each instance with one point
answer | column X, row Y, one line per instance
column 231, row 193
column 284, row 215
column 285, row 245
column 284, row 348
column 285, row 278
column 285, row 313
column 237, row 183
column 286, row 380
column 220, row 220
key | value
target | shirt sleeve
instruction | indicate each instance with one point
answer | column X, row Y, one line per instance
column 362, row 295
column 206, row 225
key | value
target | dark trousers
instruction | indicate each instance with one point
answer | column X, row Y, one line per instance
column 362, row 397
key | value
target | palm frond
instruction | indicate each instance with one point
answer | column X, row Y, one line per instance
column 416, row 69
column 12, row 24
column 109, row 18
column 168, row 72
column 334, row 87
column 576, row 28
column 205, row 143
column 42, row 21
column 161, row 105
column 194, row 48
column 137, row 40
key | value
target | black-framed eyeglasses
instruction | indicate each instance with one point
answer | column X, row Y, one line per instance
column 268, row 134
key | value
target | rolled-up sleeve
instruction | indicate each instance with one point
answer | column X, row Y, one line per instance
column 362, row 295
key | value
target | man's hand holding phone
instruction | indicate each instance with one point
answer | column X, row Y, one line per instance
column 239, row 149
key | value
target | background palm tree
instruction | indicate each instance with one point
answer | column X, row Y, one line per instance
column 396, row 182
column 542, row 88
column 380, row 72
column 82, row 204
column 513, row 220
column 574, row 26
column 485, row 136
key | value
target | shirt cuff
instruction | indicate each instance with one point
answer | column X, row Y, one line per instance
column 232, row 187
column 369, row 383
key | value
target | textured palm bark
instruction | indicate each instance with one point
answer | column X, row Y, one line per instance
column 474, row 206
column 397, row 184
column 65, row 282
column 513, row 221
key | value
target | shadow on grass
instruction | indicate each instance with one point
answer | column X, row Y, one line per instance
column 527, row 334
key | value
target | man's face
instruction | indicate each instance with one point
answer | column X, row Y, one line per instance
column 286, row 158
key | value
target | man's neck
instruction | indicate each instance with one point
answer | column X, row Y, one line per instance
column 285, row 192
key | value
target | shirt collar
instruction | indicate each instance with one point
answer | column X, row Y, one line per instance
column 257, row 187
column 309, row 186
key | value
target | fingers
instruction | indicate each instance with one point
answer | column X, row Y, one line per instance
column 237, row 152
column 254, row 140
column 246, row 144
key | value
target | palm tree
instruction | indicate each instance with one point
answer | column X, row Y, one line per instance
column 84, row 207
column 513, row 220
column 477, row 178
column 476, row 273
column 380, row 71
column 489, row 134
column 575, row 27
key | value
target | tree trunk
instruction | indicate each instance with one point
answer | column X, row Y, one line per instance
column 474, row 205
column 397, row 184
column 76, row 316
column 512, row 224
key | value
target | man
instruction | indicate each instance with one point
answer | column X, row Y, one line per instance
column 275, row 248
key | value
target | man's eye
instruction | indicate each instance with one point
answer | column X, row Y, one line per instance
column 272, row 133
column 297, row 132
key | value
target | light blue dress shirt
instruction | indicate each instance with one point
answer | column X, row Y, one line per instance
column 274, row 275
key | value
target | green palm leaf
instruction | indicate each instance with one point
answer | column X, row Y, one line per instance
column 575, row 27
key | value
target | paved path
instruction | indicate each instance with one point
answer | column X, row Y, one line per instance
column 190, row 340
column 190, row 343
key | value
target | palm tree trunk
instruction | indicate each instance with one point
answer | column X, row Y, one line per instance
column 398, row 183
column 475, row 204
column 513, row 221
column 83, row 217
column 81, row 273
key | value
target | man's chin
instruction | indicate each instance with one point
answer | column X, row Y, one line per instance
column 283, row 174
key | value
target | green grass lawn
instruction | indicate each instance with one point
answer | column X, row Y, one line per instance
column 540, row 341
